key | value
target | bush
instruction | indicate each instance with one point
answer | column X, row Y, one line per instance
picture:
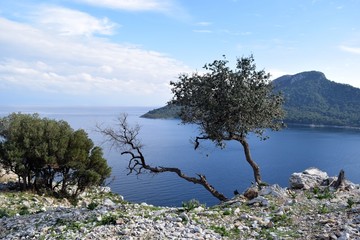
column 49, row 156
column 190, row 205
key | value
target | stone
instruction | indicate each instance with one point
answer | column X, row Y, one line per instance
column 309, row 178
column 251, row 193
column 108, row 202
column 273, row 190
column 261, row 200
column 184, row 217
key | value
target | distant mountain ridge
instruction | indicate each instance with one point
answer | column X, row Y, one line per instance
column 310, row 98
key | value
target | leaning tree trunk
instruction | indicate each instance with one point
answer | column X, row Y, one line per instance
column 249, row 159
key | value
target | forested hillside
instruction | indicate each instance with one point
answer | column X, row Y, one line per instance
column 310, row 98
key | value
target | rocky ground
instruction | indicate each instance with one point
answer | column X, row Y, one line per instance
column 316, row 211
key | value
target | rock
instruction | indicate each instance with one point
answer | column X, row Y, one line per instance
column 261, row 200
column 273, row 190
column 308, row 179
column 107, row 202
column 184, row 217
column 251, row 193
column 284, row 213
column 199, row 209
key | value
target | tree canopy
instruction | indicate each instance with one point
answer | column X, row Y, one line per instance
column 229, row 104
column 47, row 154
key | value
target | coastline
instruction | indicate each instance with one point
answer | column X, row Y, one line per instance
column 312, row 212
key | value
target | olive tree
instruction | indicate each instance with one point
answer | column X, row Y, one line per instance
column 229, row 104
column 47, row 154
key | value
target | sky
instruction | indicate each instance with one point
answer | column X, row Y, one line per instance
column 126, row 52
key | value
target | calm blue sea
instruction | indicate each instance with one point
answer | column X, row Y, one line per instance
column 167, row 143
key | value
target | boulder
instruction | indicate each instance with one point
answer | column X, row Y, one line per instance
column 251, row 193
column 309, row 178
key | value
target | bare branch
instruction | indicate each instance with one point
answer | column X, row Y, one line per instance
column 197, row 143
column 125, row 139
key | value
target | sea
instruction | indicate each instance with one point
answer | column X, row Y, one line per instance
column 168, row 143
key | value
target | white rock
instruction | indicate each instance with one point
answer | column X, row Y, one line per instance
column 199, row 209
column 108, row 202
column 309, row 178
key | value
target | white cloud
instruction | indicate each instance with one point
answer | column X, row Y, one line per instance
column 71, row 22
column 76, row 62
column 170, row 8
column 355, row 50
column 133, row 5
column 202, row 31
column 203, row 24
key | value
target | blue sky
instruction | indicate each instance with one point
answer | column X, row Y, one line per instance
column 125, row 52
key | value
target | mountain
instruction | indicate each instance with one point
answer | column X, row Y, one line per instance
column 310, row 98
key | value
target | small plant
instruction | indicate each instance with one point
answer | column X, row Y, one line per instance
column 60, row 221
column 316, row 190
column 92, row 205
column 282, row 219
column 292, row 194
column 74, row 225
column 227, row 212
column 190, row 205
column 24, row 210
column 108, row 220
column 325, row 194
column 3, row 213
column 324, row 209
column 220, row 230
column 350, row 203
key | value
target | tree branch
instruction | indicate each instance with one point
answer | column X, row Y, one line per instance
column 125, row 138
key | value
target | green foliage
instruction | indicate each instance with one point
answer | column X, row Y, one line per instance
column 324, row 209
column 228, row 104
column 92, row 205
column 3, row 213
column 227, row 212
column 325, row 194
column 312, row 99
column 320, row 193
column 46, row 154
column 24, row 210
column 190, row 205
column 167, row 112
column 220, row 230
column 108, row 220
column 281, row 220
column 350, row 203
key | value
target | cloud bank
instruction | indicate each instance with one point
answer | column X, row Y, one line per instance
column 66, row 52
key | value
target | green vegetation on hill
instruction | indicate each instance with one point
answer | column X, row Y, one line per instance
column 310, row 98
column 167, row 112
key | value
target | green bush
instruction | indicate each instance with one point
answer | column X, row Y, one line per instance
column 45, row 153
column 190, row 205
column 3, row 213
column 108, row 220
column 92, row 206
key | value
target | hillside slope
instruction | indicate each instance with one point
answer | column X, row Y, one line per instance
column 310, row 98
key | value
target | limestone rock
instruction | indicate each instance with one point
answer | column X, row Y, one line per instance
column 309, row 178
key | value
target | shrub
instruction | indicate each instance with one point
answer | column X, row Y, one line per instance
column 190, row 205
column 48, row 154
